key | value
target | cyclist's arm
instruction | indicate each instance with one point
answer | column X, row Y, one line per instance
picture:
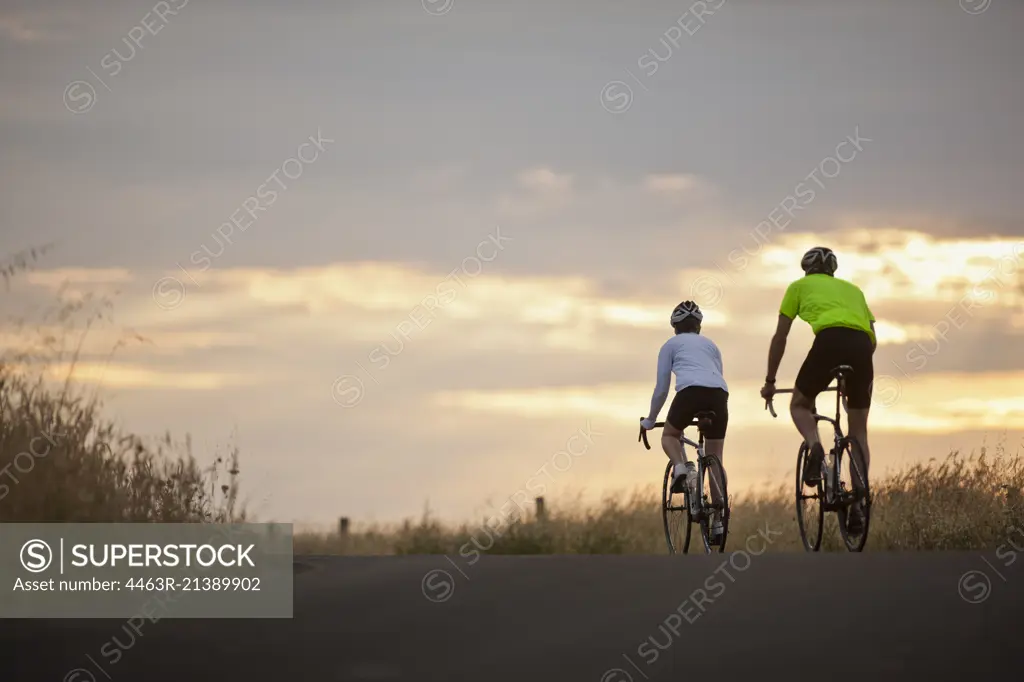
column 664, row 382
column 778, row 346
column 788, row 310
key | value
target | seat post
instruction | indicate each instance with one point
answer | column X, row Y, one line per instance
column 840, row 385
column 839, row 372
column 701, row 419
column 840, row 388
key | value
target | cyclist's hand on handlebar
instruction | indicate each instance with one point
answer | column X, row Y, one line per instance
column 643, row 432
column 767, row 391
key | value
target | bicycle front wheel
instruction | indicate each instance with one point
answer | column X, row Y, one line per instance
column 853, row 489
column 810, row 510
column 675, row 516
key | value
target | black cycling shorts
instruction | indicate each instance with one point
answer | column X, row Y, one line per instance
column 693, row 399
column 836, row 346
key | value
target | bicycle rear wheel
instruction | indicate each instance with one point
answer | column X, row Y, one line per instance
column 810, row 510
column 853, row 489
column 675, row 515
column 713, row 464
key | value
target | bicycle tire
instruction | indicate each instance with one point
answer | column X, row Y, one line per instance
column 705, row 524
column 812, row 543
column 672, row 514
column 854, row 543
column 727, row 512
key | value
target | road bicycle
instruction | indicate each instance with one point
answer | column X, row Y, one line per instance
column 675, row 505
column 836, row 491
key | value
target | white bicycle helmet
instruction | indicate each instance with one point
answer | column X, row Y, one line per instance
column 684, row 310
column 819, row 259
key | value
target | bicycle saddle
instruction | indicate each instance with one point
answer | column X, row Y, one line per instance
column 704, row 418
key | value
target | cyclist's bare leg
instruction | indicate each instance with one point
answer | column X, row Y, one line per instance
column 716, row 448
column 671, row 444
column 859, row 431
column 800, row 408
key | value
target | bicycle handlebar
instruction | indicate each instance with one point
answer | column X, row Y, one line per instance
column 643, row 434
column 643, row 431
column 768, row 402
column 771, row 408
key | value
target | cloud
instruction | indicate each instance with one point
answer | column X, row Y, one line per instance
column 20, row 29
column 373, row 303
column 55, row 279
column 122, row 375
column 892, row 267
column 672, row 183
column 887, row 332
column 546, row 180
column 31, row 24
column 442, row 178
column 891, row 224
column 935, row 403
column 15, row 28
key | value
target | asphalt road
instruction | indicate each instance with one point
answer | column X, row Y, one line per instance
column 597, row 619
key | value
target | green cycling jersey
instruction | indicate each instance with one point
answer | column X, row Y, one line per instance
column 824, row 301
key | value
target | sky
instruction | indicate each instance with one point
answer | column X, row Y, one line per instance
column 406, row 253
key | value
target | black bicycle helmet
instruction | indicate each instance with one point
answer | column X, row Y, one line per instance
column 820, row 259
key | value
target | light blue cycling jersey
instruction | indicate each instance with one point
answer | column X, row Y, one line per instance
column 694, row 359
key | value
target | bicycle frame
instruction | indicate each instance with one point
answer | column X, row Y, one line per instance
column 701, row 457
column 832, row 486
column 702, row 513
column 699, row 447
column 699, row 509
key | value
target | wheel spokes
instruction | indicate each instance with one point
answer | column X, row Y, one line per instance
column 810, row 508
column 714, row 481
column 853, row 490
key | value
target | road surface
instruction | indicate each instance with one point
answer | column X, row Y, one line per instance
column 873, row 616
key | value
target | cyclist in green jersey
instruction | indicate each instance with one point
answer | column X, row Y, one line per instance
column 844, row 334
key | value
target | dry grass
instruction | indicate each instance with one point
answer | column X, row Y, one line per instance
column 970, row 502
column 62, row 461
